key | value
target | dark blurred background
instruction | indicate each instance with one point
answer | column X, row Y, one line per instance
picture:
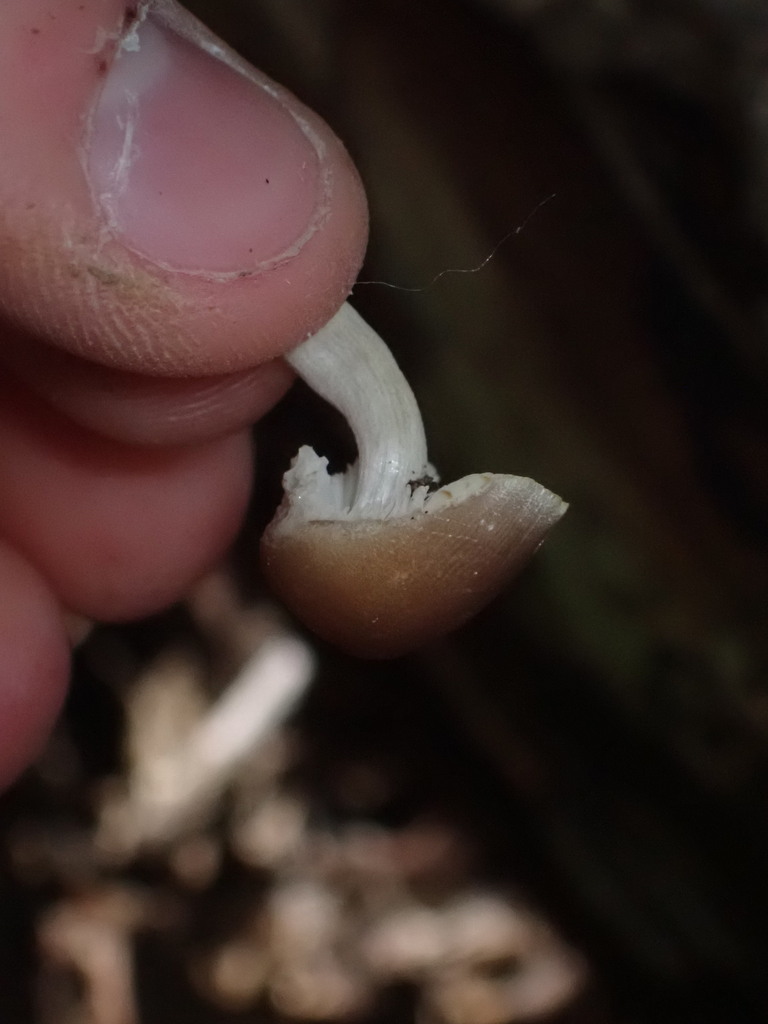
column 597, row 742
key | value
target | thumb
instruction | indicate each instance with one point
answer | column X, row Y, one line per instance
column 164, row 208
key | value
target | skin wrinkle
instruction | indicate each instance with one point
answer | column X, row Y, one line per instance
column 130, row 323
column 143, row 340
column 126, row 321
column 207, row 399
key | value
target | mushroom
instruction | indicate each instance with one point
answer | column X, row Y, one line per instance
column 378, row 560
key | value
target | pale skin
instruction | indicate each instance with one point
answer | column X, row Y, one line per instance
column 129, row 384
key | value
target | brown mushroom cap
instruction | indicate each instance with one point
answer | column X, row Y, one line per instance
column 378, row 588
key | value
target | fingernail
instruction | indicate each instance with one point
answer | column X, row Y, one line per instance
column 194, row 164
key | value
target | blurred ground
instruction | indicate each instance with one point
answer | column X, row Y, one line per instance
column 560, row 813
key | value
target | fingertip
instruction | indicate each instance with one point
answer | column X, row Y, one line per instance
column 199, row 223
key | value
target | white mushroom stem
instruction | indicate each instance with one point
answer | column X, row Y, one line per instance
column 349, row 365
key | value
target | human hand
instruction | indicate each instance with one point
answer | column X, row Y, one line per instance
column 170, row 223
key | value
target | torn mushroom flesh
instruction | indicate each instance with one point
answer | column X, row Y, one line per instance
column 375, row 559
